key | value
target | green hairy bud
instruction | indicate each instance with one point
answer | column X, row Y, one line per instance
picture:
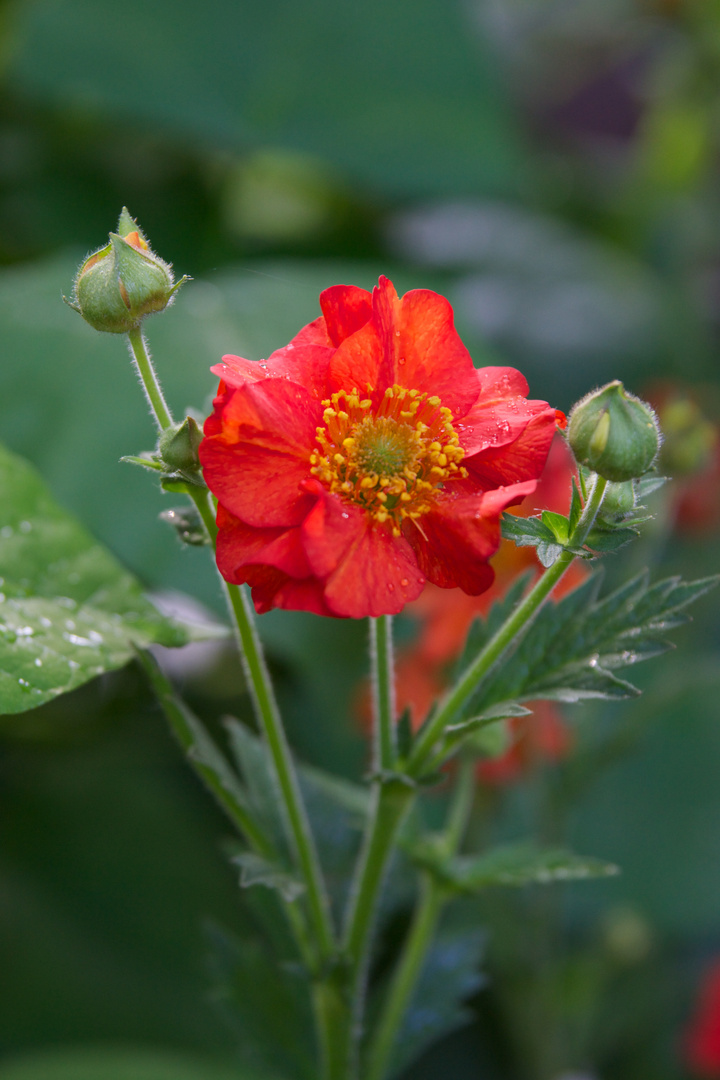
column 614, row 433
column 121, row 283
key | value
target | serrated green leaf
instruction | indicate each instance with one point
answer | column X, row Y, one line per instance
column 525, row 532
column 518, row 865
column 68, row 610
column 256, row 870
column 548, row 553
column 606, row 540
column 558, row 525
column 576, row 644
column 266, row 1003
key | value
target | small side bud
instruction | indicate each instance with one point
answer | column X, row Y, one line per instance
column 614, row 433
column 178, row 446
column 618, row 501
column 121, row 283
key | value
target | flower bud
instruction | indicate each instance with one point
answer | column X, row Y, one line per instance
column 178, row 445
column 614, row 433
column 122, row 282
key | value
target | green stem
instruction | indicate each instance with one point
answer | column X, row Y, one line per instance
column 419, row 939
column 506, row 636
column 149, row 379
column 391, row 800
column 421, row 933
column 258, row 679
column 381, row 660
column 266, row 709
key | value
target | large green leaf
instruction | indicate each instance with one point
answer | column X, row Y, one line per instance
column 406, row 96
column 68, row 610
column 116, row 1064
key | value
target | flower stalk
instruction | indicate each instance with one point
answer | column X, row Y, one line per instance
column 258, row 679
column 432, row 899
column 507, row 636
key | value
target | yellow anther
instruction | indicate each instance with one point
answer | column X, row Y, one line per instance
column 366, row 403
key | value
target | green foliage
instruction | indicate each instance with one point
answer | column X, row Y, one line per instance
column 116, row 1064
column 450, row 975
column 516, row 865
column 576, row 644
column 350, row 84
column 266, row 1003
column 69, row 611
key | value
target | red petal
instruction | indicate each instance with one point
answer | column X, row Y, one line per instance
column 329, row 529
column 273, row 589
column 304, row 361
column 257, row 461
column 460, row 534
column 522, row 459
column 412, row 342
column 240, row 546
column 377, row 575
column 346, row 309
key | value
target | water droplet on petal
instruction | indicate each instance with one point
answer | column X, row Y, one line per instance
column 404, row 582
column 391, row 587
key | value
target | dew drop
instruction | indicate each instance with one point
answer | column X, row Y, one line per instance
column 291, row 346
column 404, row 582
column 25, row 526
column 38, row 662
column 401, row 361
column 24, row 683
column 391, row 587
column 344, row 514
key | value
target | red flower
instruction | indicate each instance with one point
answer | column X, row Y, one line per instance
column 367, row 457
column 702, row 1038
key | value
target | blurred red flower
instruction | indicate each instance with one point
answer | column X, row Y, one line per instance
column 367, row 457
column 702, row 1037
column 690, row 454
column 444, row 621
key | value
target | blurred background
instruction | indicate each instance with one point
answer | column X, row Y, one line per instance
column 553, row 168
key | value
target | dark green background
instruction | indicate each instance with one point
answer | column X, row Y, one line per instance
column 553, row 170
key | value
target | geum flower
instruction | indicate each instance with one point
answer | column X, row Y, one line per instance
column 367, row 457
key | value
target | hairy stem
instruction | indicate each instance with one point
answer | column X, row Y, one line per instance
column 149, row 379
column 381, row 659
